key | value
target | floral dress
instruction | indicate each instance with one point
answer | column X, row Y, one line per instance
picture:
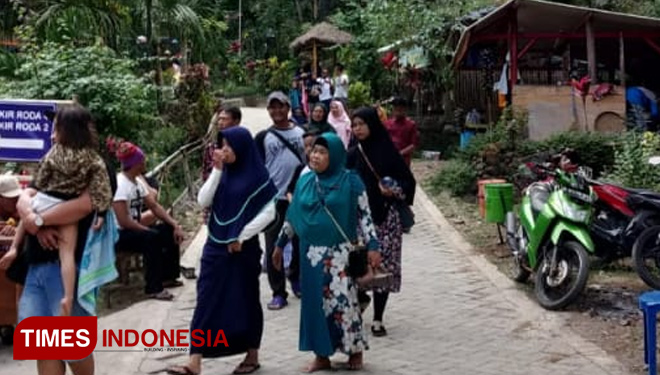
column 338, row 298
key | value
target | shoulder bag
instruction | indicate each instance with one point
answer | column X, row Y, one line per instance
column 358, row 266
column 287, row 144
column 406, row 214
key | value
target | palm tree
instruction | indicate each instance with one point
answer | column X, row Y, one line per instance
column 84, row 19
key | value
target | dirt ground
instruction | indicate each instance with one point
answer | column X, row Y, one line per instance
column 606, row 313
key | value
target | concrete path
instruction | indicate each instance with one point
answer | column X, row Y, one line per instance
column 456, row 315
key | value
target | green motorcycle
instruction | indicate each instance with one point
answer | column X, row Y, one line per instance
column 551, row 236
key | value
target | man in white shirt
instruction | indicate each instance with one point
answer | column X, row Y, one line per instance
column 341, row 84
column 326, row 88
column 158, row 244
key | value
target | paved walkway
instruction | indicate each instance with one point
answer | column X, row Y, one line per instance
column 456, row 314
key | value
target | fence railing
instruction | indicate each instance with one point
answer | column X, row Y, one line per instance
column 164, row 169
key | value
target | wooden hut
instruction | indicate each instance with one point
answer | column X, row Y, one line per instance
column 549, row 44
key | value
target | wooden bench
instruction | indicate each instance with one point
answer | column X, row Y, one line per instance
column 127, row 262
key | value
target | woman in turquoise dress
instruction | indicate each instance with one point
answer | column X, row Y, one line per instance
column 330, row 317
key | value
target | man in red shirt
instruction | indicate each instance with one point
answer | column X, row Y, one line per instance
column 403, row 130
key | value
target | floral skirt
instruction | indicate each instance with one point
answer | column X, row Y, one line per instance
column 330, row 315
column 390, row 234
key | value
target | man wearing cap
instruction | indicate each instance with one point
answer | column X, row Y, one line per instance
column 283, row 150
column 10, row 190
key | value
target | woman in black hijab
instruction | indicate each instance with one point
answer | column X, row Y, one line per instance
column 389, row 184
column 318, row 121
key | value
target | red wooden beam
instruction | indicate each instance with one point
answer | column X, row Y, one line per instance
column 527, row 47
column 653, row 45
column 514, row 48
column 577, row 35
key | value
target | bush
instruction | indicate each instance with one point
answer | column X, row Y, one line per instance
column 498, row 152
column 596, row 150
column 359, row 95
column 122, row 103
column 271, row 74
column 631, row 167
column 457, row 177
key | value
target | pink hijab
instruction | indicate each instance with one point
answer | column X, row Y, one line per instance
column 341, row 123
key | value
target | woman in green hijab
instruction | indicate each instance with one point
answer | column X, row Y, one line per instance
column 318, row 121
column 330, row 317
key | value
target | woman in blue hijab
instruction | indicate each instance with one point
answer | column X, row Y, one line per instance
column 330, row 317
column 241, row 196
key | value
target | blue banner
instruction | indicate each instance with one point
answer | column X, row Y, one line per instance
column 25, row 130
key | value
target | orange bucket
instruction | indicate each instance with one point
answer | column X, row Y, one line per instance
column 481, row 194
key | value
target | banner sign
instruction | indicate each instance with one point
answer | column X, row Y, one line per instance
column 25, row 129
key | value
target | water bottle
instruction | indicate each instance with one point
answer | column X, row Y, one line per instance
column 388, row 182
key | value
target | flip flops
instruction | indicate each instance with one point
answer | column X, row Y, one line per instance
column 181, row 370
column 163, row 295
column 188, row 272
column 246, row 368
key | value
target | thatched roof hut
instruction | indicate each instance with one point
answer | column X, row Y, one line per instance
column 322, row 34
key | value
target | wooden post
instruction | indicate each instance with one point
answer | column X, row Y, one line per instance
column 591, row 51
column 188, row 177
column 513, row 50
column 622, row 60
column 314, row 59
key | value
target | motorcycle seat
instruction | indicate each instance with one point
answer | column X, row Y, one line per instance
column 644, row 199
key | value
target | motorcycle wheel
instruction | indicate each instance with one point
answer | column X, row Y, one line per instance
column 555, row 289
column 517, row 270
column 646, row 256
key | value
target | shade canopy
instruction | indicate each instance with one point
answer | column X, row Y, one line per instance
column 324, row 34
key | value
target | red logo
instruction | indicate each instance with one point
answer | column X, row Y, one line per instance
column 55, row 338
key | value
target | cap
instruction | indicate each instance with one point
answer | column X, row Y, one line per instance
column 9, row 187
column 280, row 97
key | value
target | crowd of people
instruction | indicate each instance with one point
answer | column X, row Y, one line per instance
column 317, row 181
column 320, row 180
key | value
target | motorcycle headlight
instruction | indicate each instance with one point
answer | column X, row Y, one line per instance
column 575, row 213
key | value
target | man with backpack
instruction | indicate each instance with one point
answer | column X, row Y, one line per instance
column 282, row 149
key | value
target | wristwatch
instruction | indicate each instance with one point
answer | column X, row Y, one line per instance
column 38, row 220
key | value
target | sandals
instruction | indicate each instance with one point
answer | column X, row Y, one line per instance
column 181, row 370
column 188, row 272
column 355, row 362
column 163, row 295
column 172, row 284
column 246, row 368
column 378, row 330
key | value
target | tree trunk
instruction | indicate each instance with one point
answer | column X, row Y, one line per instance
column 299, row 11
column 149, row 26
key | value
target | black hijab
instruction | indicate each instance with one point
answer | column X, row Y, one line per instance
column 385, row 159
column 320, row 127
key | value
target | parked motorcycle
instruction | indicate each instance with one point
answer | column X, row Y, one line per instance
column 550, row 237
column 646, row 248
column 621, row 215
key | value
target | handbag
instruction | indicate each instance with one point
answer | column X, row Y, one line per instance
column 358, row 266
column 358, row 263
column 406, row 215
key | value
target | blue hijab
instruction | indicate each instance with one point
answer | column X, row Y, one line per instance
column 334, row 188
column 245, row 188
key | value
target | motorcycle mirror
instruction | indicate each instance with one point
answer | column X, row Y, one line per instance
column 654, row 160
